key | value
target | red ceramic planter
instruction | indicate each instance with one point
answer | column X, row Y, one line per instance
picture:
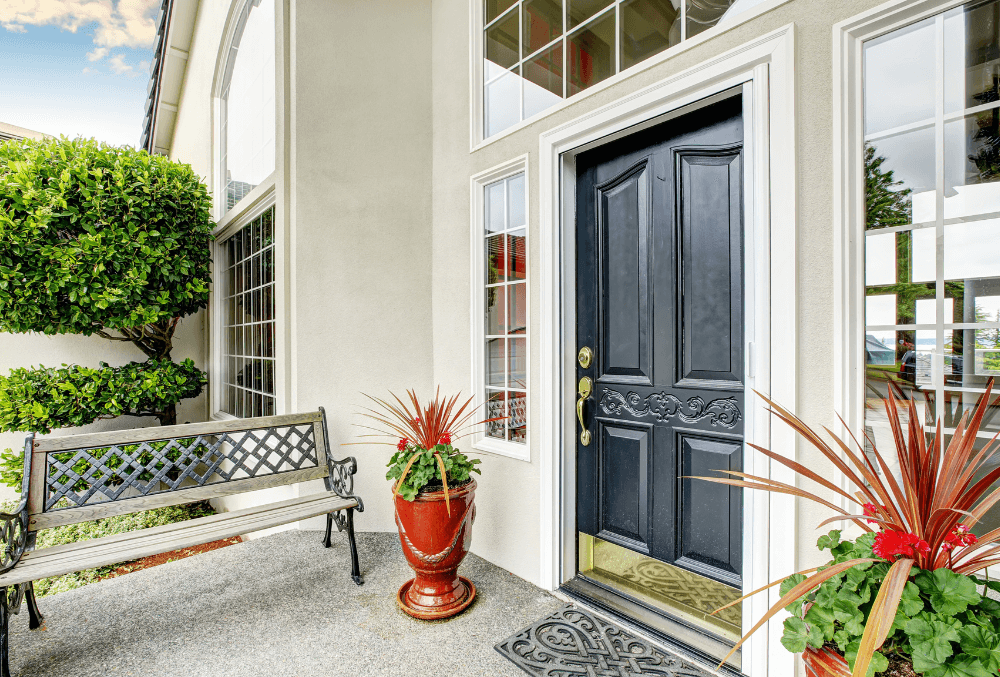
column 825, row 663
column 435, row 544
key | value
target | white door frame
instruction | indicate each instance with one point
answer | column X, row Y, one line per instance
column 764, row 70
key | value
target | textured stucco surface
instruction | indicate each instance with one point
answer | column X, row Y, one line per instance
column 281, row 605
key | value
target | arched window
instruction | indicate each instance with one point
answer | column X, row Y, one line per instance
column 247, row 130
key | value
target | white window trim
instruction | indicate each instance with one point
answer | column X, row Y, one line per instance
column 477, row 139
column 481, row 442
column 271, row 192
column 766, row 66
column 849, row 198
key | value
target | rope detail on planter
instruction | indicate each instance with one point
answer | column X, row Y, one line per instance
column 435, row 559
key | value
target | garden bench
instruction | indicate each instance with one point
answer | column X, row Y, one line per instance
column 80, row 478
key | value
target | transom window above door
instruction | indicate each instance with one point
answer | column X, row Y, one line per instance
column 932, row 231
column 248, row 104
column 538, row 52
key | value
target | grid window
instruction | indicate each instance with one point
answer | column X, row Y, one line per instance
column 538, row 52
column 932, row 259
column 249, row 327
column 248, row 104
column 506, row 321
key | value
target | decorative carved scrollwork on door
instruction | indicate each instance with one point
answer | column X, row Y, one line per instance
column 723, row 412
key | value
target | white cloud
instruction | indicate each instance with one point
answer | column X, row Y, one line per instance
column 87, row 70
column 118, row 65
column 14, row 28
column 98, row 54
column 121, row 23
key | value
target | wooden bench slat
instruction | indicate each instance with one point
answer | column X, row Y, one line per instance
column 68, row 558
column 87, row 513
column 45, row 445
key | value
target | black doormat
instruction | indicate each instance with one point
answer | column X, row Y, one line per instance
column 573, row 642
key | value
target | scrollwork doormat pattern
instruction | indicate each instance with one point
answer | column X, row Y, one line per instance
column 572, row 642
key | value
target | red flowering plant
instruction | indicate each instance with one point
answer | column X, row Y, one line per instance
column 904, row 594
column 423, row 435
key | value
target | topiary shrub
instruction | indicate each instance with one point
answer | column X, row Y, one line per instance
column 105, row 241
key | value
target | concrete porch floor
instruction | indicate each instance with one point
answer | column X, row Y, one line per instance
column 280, row 605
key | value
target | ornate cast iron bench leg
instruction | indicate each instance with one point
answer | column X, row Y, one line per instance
column 35, row 617
column 5, row 632
column 345, row 523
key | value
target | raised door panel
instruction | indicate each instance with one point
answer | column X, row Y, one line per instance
column 709, row 515
column 624, row 484
column 711, row 280
column 623, row 211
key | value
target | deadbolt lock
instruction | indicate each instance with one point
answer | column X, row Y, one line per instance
column 585, row 357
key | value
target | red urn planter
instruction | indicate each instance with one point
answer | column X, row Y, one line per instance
column 435, row 544
column 825, row 663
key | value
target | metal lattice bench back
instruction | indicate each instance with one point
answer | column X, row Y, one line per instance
column 81, row 478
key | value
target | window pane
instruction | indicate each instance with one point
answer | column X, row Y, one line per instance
column 900, row 176
column 249, row 106
column 495, row 363
column 515, row 201
column 496, row 408
column 495, row 323
column 971, row 56
column 543, row 80
column 880, row 259
column 703, row 14
column 518, row 421
column 592, row 54
column 581, row 10
column 495, row 8
column 503, row 103
column 516, row 263
column 494, row 207
column 501, row 41
column 495, row 265
column 542, row 22
column 649, row 27
column 517, row 316
column 972, row 165
column 518, row 353
column 899, row 77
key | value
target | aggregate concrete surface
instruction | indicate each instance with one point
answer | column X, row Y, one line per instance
column 280, row 605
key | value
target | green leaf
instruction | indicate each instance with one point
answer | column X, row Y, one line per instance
column 962, row 666
column 822, row 619
column 798, row 634
column 879, row 662
column 950, row 593
column 931, row 641
column 981, row 643
column 829, row 541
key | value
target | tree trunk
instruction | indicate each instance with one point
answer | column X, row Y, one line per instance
column 169, row 415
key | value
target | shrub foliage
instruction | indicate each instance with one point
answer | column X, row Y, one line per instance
column 105, row 241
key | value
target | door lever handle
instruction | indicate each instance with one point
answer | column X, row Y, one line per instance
column 585, row 388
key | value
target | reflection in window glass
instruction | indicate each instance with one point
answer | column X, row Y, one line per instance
column 506, row 369
column 248, row 104
column 933, row 217
column 551, row 49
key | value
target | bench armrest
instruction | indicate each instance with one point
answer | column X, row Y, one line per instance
column 341, row 478
column 14, row 525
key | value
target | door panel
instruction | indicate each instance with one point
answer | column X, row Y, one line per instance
column 660, row 302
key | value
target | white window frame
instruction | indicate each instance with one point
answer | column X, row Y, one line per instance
column 271, row 192
column 481, row 442
column 477, row 138
column 849, row 194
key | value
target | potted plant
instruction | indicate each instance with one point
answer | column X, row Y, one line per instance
column 902, row 598
column 434, row 496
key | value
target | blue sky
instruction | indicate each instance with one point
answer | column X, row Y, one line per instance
column 76, row 67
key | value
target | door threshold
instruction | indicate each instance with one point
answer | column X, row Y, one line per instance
column 680, row 638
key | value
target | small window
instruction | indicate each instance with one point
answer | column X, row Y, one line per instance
column 248, row 107
column 505, row 325
column 248, row 359
column 538, row 52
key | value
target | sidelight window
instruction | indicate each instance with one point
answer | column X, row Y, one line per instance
column 538, row 52
column 505, row 321
column 932, row 181
column 248, row 332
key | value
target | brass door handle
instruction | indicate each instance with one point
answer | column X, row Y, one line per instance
column 585, row 388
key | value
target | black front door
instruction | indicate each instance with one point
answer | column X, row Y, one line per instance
column 659, row 288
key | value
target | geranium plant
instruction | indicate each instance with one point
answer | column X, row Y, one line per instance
column 904, row 592
column 424, row 435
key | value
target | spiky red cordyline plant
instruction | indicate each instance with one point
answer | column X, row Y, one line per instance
column 934, row 496
column 424, row 425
